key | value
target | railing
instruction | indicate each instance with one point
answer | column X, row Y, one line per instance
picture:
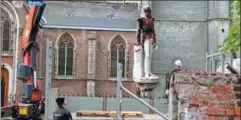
column 121, row 87
column 7, row 110
column 213, row 62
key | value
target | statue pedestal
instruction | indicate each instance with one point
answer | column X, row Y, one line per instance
column 146, row 85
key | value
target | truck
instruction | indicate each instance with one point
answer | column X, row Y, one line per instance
column 30, row 106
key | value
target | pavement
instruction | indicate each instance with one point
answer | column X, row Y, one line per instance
column 145, row 117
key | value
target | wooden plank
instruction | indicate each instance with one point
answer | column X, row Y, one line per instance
column 92, row 113
column 96, row 113
column 128, row 114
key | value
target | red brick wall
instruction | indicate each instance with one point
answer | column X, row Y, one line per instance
column 210, row 96
column 79, row 87
column 78, row 84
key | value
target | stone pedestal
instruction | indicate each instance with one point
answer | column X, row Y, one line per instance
column 145, row 85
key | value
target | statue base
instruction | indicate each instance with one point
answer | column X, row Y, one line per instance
column 146, row 85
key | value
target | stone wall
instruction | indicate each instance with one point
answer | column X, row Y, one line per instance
column 205, row 96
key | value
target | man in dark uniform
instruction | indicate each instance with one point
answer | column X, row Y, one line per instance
column 62, row 113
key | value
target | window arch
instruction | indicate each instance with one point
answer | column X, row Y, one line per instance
column 7, row 25
column 122, row 55
column 65, row 55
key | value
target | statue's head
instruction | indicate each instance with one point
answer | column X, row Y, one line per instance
column 147, row 11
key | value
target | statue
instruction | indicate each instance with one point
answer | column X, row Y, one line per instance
column 146, row 41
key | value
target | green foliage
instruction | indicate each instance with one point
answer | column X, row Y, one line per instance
column 232, row 42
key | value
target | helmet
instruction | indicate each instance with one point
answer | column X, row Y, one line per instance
column 147, row 8
column 178, row 63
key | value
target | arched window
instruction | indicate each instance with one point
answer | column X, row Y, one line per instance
column 65, row 55
column 6, row 29
column 118, row 40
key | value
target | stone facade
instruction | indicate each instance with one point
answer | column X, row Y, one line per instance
column 206, row 96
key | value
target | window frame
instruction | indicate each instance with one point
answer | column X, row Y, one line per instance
column 8, row 16
column 125, row 70
column 65, row 38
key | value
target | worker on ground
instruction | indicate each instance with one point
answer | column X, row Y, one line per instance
column 171, row 82
column 171, row 93
column 62, row 113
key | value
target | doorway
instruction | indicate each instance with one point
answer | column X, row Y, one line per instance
column 4, row 86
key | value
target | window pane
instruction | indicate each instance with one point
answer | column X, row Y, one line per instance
column 122, row 61
column 69, row 66
column 6, row 35
column 61, row 58
column 113, row 68
column 122, row 55
column 113, row 55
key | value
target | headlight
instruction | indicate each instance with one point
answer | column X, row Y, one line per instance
column 23, row 111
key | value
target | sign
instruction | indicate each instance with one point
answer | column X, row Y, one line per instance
column 35, row 3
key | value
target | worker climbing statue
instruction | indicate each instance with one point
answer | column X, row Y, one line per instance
column 146, row 39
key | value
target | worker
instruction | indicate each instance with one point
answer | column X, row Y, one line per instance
column 62, row 113
column 171, row 93
column 177, row 67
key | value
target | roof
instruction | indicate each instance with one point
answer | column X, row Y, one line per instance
column 90, row 15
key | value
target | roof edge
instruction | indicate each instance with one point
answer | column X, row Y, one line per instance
column 85, row 28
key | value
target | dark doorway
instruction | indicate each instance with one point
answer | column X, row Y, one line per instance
column 2, row 91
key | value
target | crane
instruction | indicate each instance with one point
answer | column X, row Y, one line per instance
column 28, row 107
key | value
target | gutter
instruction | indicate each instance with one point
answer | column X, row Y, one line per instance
column 86, row 28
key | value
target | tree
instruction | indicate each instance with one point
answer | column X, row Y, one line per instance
column 232, row 43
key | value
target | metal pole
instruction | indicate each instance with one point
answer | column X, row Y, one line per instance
column 231, row 60
column 223, row 62
column 206, row 61
column 214, row 54
column 144, row 102
column 119, row 75
column 48, row 76
column 119, row 79
column 213, row 62
column 1, row 60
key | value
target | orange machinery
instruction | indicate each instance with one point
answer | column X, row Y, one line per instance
column 30, row 95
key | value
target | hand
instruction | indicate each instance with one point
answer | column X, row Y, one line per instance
column 138, row 43
column 167, row 91
column 154, row 44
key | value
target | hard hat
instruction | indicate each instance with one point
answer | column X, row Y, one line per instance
column 178, row 63
column 147, row 8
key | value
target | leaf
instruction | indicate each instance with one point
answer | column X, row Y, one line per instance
column 232, row 43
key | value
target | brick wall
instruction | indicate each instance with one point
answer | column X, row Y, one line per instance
column 206, row 96
column 78, row 85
